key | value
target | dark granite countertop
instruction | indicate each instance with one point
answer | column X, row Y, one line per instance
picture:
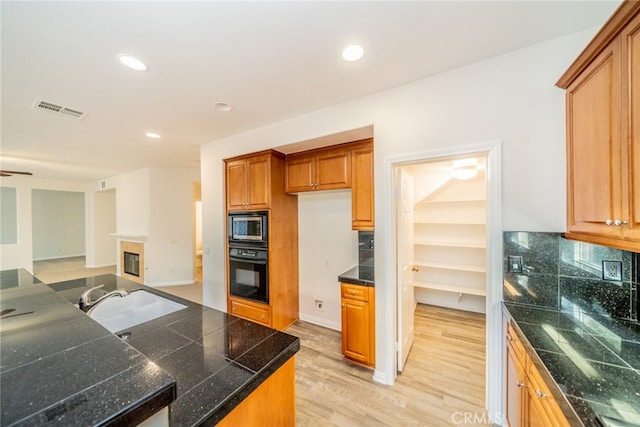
column 59, row 367
column 216, row 359
column 358, row 275
column 595, row 361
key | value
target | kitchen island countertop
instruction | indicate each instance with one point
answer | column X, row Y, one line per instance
column 212, row 360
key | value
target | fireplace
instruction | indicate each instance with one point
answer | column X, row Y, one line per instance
column 132, row 261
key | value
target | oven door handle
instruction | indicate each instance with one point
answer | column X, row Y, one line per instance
column 249, row 260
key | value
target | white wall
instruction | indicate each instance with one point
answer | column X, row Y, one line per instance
column 327, row 248
column 58, row 224
column 170, row 250
column 511, row 98
column 102, row 225
column 20, row 255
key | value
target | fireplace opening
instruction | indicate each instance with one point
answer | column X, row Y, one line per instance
column 132, row 263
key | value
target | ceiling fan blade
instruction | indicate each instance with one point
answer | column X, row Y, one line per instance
column 9, row 173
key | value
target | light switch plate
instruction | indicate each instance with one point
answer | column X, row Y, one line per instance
column 514, row 264
column 612, row 270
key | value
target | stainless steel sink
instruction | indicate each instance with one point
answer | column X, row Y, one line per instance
column 139, row 306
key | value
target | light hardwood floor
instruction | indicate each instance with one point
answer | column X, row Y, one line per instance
column 442, row 382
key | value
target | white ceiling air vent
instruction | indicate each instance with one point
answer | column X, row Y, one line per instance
column 59, row 109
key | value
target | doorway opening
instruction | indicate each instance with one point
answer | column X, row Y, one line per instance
column 448, row 247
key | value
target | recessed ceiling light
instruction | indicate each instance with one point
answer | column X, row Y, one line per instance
column 152, row 135
column 131, row 62
column 352, row 52
column 222, row 106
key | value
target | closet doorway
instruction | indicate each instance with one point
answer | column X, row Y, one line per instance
column 449, row 244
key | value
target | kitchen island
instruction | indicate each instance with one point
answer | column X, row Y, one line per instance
column 61, row 367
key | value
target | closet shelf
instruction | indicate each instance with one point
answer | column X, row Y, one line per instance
column 450, row 288
column 472, row 245
column 458, row 267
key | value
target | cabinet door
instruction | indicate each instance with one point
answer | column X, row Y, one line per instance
column 516, row 390
column 362, row 191
column 631, row 80
column 593, row 147
column 300, row 173
column 355, row 330
column 333, row 170
column 236, row 185
column 259, row 179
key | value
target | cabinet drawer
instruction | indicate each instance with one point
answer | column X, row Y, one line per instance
column 514, row 342
column 356, row 292
column 260, row 315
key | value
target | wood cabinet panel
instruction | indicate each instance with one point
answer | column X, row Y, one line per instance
column 236, row 180
column 333, row 169
column 631, row 56
column 322, row 169
column 255, row 312
column 515, row 390
column 362, row 197
column 603, row 130
column 358, row 323
column 592, row 149
column 300, row 174
column 248, row 183
column 279, row 391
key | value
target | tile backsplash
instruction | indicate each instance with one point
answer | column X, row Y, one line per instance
column 567, row 275
column 365, row 251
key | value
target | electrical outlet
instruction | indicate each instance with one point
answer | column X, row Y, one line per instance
column 514, row 264
column 319, row 304
column 612, row 270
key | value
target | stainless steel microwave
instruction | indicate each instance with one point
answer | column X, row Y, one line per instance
column 248, row 227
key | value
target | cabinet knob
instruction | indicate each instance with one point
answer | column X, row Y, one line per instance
column 520, row 384
column 414, row 268
column 510, row 338
column 609, row 222
column 617, row 223
column 540, row 394
column 353, row 292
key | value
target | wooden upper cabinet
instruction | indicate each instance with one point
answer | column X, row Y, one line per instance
column 603, row 135
column 593, row 146
column 631, row 80
column 248, row 183
column 362, row 196
column 323, row 169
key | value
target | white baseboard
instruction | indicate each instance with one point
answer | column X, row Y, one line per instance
column 321, row 322
column 58, row 257
column 100, row 265
column 175, row 283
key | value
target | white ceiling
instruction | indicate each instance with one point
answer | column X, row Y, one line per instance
column 269, row 60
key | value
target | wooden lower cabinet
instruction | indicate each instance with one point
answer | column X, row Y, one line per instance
column 516, row 391
column 529, row 402
column 273, row 403
column 358, row 323
column 256, row 312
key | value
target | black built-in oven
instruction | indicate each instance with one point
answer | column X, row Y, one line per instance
column 249, row 273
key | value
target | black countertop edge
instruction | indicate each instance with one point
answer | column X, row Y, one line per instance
column 358, row 276
column 242, row 393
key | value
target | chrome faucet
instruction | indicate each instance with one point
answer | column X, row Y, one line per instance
column 86, row 303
